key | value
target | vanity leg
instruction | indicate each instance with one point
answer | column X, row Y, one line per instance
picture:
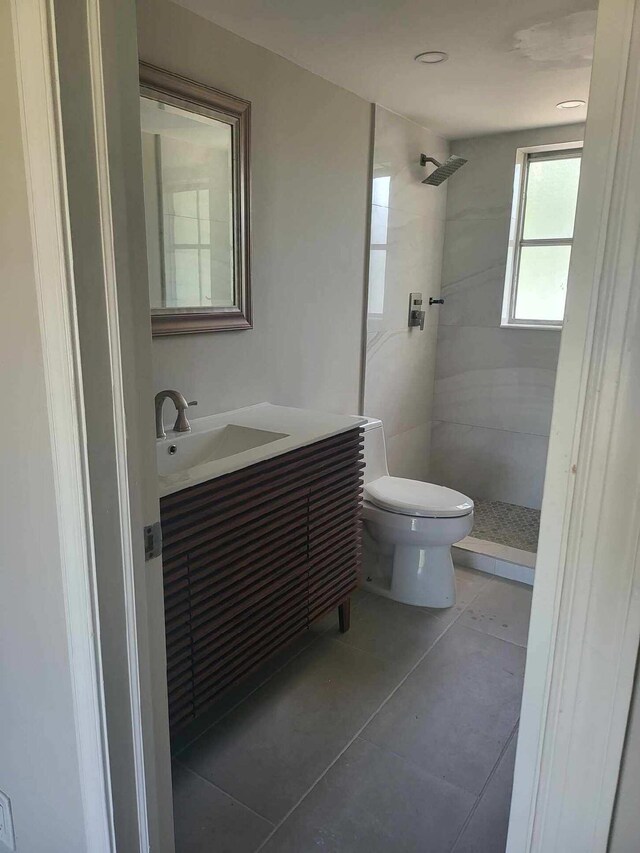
column 344, row 616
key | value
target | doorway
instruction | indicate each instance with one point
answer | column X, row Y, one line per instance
column 568, row 507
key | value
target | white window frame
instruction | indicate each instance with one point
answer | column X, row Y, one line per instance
column 516, row 241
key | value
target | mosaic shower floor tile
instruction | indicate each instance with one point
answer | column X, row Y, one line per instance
column 506, row 524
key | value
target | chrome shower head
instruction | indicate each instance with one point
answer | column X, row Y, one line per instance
column 443, row 170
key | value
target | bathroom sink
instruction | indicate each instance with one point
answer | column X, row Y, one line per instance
column 219, row 444
column 181, row 452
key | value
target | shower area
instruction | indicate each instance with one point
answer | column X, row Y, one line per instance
column 466, row 402
column 504, row 540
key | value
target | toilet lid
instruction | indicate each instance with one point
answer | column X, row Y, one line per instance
column 413, row 497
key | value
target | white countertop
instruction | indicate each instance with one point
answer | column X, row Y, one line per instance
column 300, row 426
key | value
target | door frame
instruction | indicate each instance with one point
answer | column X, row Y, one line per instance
column 35, row 64
column 87, row 215
column 585, row 618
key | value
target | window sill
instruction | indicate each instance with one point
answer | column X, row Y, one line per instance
column 531, row 326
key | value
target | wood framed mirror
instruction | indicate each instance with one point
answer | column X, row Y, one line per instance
column 196, row 171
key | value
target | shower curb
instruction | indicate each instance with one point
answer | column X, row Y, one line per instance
column 494, row 559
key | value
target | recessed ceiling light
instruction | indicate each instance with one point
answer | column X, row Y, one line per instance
column 430, row 57
column 570, row 105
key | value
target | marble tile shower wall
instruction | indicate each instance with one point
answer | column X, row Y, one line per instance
column 493, row 387
column 407, row 237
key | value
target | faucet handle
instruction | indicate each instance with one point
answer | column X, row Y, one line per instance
column 182, row 424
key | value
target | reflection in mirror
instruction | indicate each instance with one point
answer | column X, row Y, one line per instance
column 187, row 167
column 195, row 153
column 379, row 248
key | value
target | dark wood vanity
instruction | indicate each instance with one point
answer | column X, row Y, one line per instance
column 251, row 560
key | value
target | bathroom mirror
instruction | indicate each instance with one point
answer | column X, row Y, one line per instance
column 195, row 155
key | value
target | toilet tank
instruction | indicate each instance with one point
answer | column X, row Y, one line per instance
column 375, row 451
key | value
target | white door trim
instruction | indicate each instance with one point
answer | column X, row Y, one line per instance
column 118, row 410
column 585, row 627
column 42, row 144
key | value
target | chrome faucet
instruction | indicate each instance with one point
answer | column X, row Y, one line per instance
column 181, row 424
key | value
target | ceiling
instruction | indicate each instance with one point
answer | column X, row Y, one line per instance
column 510, row 61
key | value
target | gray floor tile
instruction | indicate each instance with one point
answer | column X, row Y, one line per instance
column 238, row 693
column 206, row 819
column 274, row 746
column 455, row 712
column 486, row 832
column 391, row 630
column 358, row 595
column 469, row 584
column 502, row 609
column 372, row 801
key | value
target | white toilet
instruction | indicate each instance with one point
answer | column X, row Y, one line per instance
column 409, row 528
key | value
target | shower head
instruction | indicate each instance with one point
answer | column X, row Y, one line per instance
column 443, row 170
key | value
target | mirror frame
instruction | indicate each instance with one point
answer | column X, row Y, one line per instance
column 166, row 87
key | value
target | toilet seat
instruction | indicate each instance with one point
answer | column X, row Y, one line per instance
column 413, row 497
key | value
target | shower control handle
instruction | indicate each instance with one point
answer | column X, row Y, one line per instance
column 417, row 319
column 416, row 311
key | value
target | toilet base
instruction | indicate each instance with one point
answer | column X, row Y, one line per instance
column 423, row 577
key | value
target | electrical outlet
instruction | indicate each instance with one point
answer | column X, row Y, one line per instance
column 7, row 837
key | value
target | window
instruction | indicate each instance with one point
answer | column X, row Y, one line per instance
column 378, row 251
column 187, row 248
column 544, row 209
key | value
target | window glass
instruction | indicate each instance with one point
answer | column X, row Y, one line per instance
column 185, row 230
column 542, row 283
column 377, row 274
column 381, row 187
column 187, row 272
column 184, row 203
column 552, row 192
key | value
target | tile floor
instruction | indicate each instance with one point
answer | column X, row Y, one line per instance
column 506, row 524
column 397, row 736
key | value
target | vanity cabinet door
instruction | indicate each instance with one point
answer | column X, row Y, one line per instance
column 237, row 590
column 250, row 559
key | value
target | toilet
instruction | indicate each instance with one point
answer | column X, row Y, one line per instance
column 409, row 528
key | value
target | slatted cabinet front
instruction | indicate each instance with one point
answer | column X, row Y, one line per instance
column 251, row 559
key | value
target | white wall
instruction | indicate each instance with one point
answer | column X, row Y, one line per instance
column 310, row 164
column 494, row 387
column 407, row 233
column 38, row 758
